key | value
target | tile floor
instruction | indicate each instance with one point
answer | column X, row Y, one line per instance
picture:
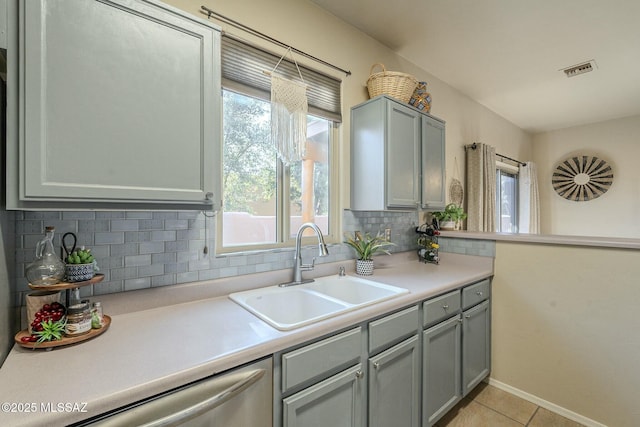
column 488, row 406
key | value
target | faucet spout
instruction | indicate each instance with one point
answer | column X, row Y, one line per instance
column 298, row 265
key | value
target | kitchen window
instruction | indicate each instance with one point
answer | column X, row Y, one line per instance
column 264, row 200
column 506, row 198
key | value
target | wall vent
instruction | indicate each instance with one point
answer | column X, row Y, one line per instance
column 582, row 68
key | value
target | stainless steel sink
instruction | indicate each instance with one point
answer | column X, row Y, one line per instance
column 291, row 307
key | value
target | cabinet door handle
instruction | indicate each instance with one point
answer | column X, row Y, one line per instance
column 359, row 374
column 467, row 316
column 479, row 293
column 445, row 307
column 376, row 365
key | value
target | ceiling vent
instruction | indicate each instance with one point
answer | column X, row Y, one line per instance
column 585, row 67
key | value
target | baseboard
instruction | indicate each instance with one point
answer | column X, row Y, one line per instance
column 545, row 404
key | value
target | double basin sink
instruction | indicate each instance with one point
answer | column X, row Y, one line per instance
column 291, row 307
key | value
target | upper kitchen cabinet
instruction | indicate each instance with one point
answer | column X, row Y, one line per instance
column 397, row 157
column 433, row 163
column 3, row 24
column 114, row 103
column 385, row 155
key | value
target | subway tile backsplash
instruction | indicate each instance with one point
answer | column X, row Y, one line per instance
column 137, row 250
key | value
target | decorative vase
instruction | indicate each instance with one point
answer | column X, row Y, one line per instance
column 47, row 269
column 364, row 267
column 421, row 99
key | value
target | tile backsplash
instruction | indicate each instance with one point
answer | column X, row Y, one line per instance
column 143, row 249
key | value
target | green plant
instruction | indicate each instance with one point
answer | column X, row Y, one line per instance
column 82, row 256
column 51, row 330
column 451, row 212
column 368, row 246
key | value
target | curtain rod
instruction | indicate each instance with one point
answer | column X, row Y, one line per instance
column 205, row 10
column 474, row 146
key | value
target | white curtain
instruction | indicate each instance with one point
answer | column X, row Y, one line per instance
column 529, row 205
column 481, row 187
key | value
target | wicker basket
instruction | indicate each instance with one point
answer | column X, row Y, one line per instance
column 392, row 83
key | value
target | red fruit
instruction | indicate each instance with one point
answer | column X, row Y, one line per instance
column 33, row 338
column 25, row 339
column 46, row 307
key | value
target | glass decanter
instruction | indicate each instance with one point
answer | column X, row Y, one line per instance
column 47, row 269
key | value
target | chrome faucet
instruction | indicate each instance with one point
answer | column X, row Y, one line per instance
column 298, row 266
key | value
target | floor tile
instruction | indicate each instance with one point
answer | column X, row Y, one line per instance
column 546, row 418
column 506, row 403
column 472, row 414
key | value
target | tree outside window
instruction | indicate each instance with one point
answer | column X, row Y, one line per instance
column 265, row 202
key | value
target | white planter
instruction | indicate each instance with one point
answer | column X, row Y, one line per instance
column 364, row 267
column 447, row 225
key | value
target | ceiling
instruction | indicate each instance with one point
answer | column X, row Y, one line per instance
column 507, row 54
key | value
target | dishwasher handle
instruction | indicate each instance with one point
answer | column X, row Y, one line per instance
column 178, row 410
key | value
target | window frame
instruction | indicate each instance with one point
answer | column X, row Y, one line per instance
column 284, row 235
column 509, row 170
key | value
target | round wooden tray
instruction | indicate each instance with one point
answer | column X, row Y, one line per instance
column 68, row 285
column 65, row 340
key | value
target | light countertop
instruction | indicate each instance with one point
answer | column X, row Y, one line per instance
column 550, row 239
column 166, row 341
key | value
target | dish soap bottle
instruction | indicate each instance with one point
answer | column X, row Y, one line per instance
column 47, row 269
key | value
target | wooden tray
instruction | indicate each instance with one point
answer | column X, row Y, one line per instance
column 65, row 340
column 68, row 285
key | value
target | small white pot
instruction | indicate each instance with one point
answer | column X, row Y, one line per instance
column 448, row 225
column 364, row 267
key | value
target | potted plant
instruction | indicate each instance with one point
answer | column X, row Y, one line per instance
column 451, row 217
column 366, row 247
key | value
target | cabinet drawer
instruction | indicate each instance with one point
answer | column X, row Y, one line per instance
column 393, row 328
column 441, row 307
column 321, row 357
column 472, row 295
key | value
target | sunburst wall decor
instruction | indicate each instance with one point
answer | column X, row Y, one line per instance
column 582, row 178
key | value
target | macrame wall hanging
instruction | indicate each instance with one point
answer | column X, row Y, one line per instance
column 288, row 115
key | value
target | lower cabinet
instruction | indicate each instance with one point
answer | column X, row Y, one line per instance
column 336, row 401
column 386, row 372
column 441, row 371
column 476, row 346
column 394, row 386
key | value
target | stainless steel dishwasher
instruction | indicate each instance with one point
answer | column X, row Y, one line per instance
column 242, row 397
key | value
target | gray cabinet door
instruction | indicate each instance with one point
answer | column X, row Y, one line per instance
column 403, row 156
column 394, row 386
column 385, row 155
column 476, row 345
column 120, row 101
column 433, row 163
column 441, row 348
column 3, row 24
column 337, row 402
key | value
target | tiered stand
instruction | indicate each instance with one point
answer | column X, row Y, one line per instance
column 68, row 288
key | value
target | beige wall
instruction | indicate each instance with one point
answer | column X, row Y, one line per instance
column 615, row 212
column 310, row 29
column 565, row 327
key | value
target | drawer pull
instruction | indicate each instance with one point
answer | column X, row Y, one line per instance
column 359, row 374
column 479, row 293
column 467, row 316
column 376, row 365
column 445, row 307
